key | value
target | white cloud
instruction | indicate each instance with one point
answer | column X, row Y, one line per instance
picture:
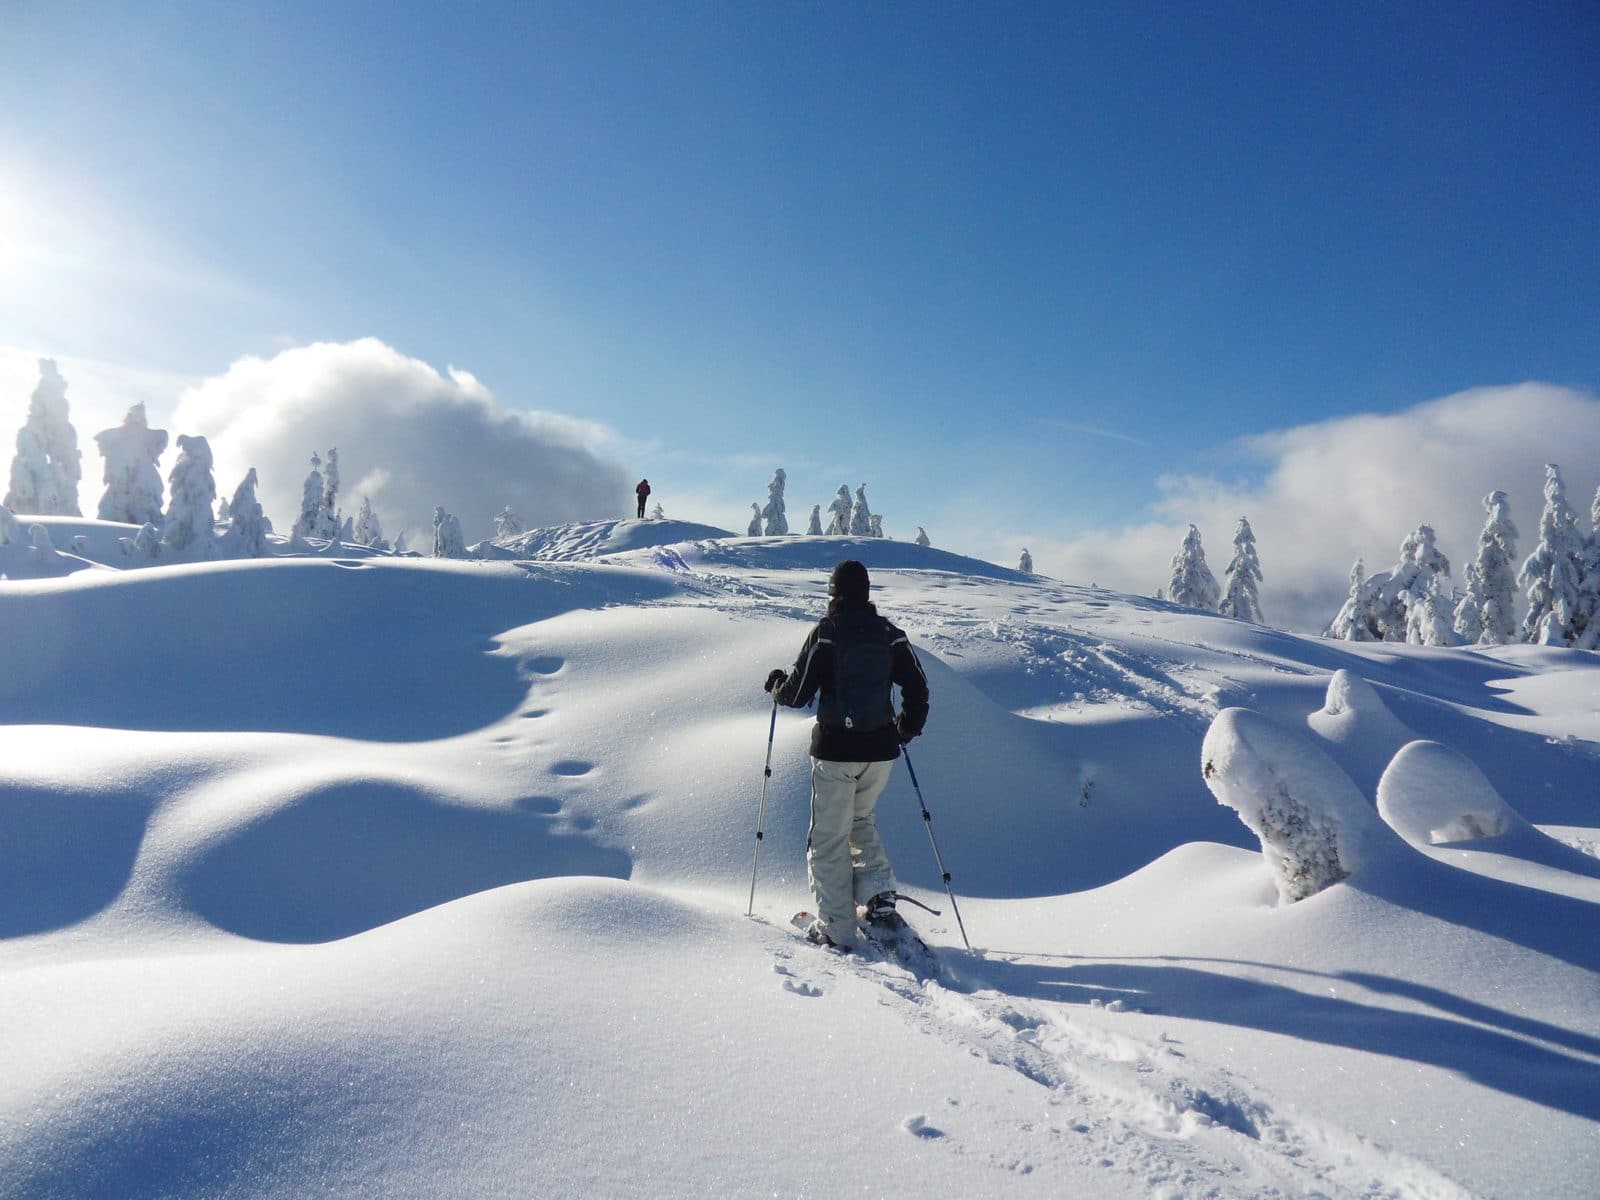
column 408, row 437
column 1354, row 487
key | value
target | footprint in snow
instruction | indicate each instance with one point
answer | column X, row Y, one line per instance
column 917, row 1126
column 801, row 988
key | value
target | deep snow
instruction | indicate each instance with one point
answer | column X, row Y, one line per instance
column 392, row 876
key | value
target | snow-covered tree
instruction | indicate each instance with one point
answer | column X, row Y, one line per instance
column 1241, row 597
column 860, row 514
column 1192, row 582
column 1551, row 576
column 773, row 514
column 310, row 522
column 189, row 530
column 1357, row 621
column 1393, row 594
column 448, row 541
column 1428, row 616
column 10, row 530
column 922, row 536
column 877, row 525
column 1025, row 564
column 246, row 535
column 1496, row 576
column 48, row 464
column 132, row 451
column 1468, row 622
column 657, row 513
column 839, row 513
column 814, row 525
column 1587, row 627
column 368, row 530
column 507, row 524
column 331, row 519
column 754, row 528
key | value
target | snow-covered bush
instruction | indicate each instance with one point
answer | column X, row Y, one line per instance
column 657, row 513
column 877, row 525
column 839, row 513
column 1494, row 566
column 1315, row 828
column 1431, row 794
column 144, row 546
column 922, row 536
column 754, row 528
column 132, row 452
column 189, row 530
column 1025, row 563
column 1357, row 620
column 860, row 514
column 48, row 464
column 1192, row 582
column 506, row 524
column 448, row 541
column 310, row 522
column 814, row 525
column 1428, row 617
column 1241, row 597
column 1379, row 607
column 1551, row 576
column 776, row 523
column 1468, row 622
column 246, row 535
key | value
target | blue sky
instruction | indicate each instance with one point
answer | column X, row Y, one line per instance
column 1027, row 256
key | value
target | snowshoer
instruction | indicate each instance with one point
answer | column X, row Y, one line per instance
column 642, row 490
column 852, row 658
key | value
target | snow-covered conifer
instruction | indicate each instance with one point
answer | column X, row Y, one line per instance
column 1550, row 576
column 246, row 535
column 1025, row 564
column 368, row 530
column 1468, row 622
column 776, row 523
column 877, row 525
column 814, row 525
column 1357, row 621
column 922, row 536
column 310, row 521
column 189, row 530
column 860, row 514
column 1428, row 616
column 448, row 541
column 10, row 530
column 507, row 524
column 1406, row 584
column 331, row 520
column 1588, row 624
column 1192, row 582
column 754, row 528
column 1241, row 597
column 132, row 452
column 839, row 513
column 657, row 513
column 1496, row 583
column 48, row 464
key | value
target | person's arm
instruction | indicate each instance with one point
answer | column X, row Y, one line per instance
column 799, row 686
column 907, row 672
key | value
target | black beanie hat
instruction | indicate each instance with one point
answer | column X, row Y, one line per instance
column 849, row 581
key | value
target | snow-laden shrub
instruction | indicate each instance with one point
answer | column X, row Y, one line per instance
column 1315, row 828
column 1428, row 617
column 448, row 541
column 368, row 530
column 922, row 536
column 189, row 530
column 246, row 535
column 132, row 451
column 1192, row 582
column 775, row 522
column 877, row 525
column 48, row 463
column 814, row 525
column 1431, row 794
column 839, row 513
column 506, row 523
column 754, row 528
column 657, row 513
column 1357, row 620
column 1025, row 563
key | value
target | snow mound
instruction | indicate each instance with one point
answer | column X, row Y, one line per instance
column 596, row 539
column 1362, row 734
column 31, row 554
column 1432, row 794
column 824, row 553
column 1315, row 828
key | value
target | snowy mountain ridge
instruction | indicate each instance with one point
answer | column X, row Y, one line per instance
column 398, row 876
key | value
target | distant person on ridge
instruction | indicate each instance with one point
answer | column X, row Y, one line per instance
column 643, row 492
column 852, row 658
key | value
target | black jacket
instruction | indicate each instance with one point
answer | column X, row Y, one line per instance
column 813, row 673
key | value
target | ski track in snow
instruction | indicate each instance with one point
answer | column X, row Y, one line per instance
column 1117, row 1102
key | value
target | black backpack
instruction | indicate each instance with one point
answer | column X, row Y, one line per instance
column 863, row 658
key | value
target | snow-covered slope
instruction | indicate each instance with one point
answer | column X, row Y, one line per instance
column 395, row 877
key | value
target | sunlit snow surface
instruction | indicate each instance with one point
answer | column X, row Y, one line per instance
column 369, row 876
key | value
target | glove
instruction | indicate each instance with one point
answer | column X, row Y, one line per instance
column 905, row 732
column 774, row 681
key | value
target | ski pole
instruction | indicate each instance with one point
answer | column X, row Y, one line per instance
column 927, row 822
column 761, row 813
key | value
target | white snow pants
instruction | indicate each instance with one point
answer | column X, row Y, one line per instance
column 844, row 855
